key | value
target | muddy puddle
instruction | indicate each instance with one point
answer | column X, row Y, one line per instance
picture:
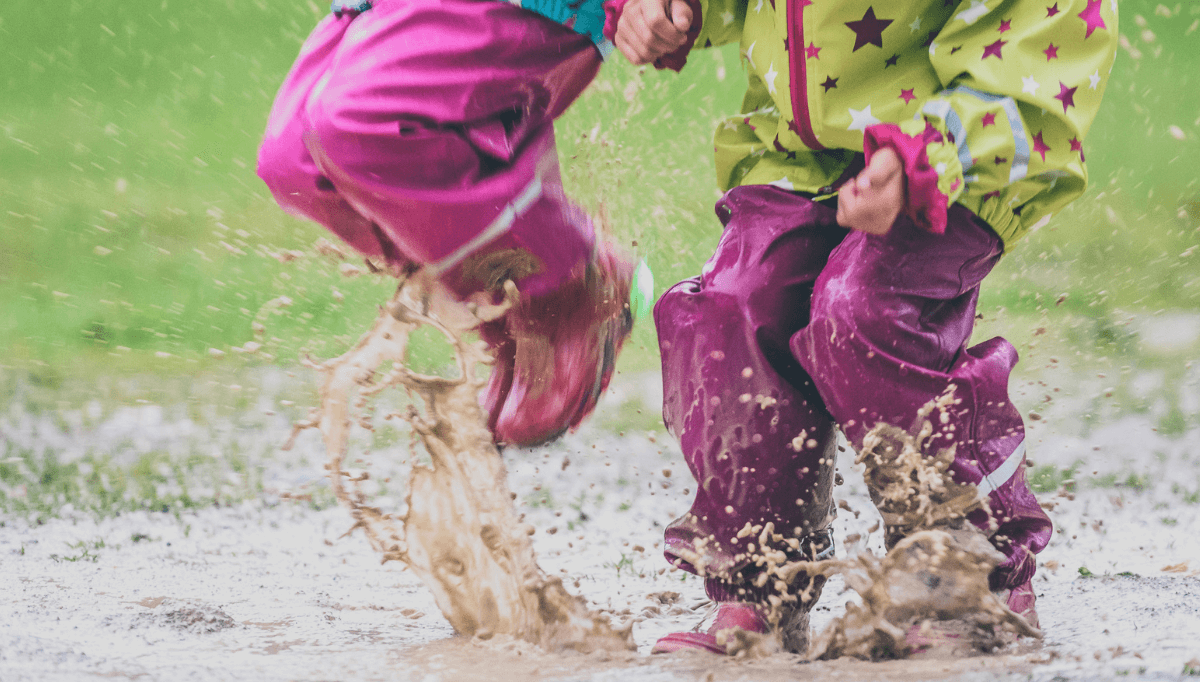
column 459, row 531
column 465, row 660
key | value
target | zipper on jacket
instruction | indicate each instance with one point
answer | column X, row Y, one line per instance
column 801, row 123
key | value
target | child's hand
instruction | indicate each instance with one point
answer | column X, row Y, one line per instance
column 649, row 29
column 872, row 201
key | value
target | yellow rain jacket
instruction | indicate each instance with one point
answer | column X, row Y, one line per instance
column 987, row 101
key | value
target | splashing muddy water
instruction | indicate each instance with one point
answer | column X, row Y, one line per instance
column 462, row 536
column 460, row 532
column 930, row 592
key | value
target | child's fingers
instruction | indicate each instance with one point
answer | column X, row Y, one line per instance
column 638, row 48
column 632, row 36
column 636, row 54
column 681, row 15
column 664, row 35
column 637, row 37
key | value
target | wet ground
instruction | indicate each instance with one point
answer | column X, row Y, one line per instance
column 266, row 588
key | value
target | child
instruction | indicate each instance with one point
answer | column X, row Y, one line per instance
column 940, row 133
column 419, row 131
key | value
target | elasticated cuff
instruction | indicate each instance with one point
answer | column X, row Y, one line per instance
column 675, row 60
column 612, row 14
column 926, row 205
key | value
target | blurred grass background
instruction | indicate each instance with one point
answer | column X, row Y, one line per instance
column 136, row 240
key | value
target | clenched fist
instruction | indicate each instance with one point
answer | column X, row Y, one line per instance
column 649, row 29
column 872, row 201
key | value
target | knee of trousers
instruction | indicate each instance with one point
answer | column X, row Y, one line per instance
column 875, row 322
column 287, row 169
column 410, row 155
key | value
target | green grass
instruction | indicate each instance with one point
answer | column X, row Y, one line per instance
column 133, row 220
column 137, row 237
column 39, row 485
column 1047, row 478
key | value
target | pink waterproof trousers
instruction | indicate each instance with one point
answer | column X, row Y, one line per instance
column 420, row 132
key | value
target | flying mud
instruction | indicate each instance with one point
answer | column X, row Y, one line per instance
column 929, row 594
column 460, row 532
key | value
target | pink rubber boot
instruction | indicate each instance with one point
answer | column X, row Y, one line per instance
column 1023, row 602
column 730, row 616
column 557, row 352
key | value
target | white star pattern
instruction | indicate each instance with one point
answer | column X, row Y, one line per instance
column 860, row 120
column 727, row 17
column 1095, row 79
column 1029, row 85
column 940, row 168
column 750, row 53
column 769, row 77
column 915, row 26
column 932, row 48
column 758, row 7
column 783, row 183
column 730, row 125
column 973, row 13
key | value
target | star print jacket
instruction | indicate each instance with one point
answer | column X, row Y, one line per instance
column 986, row 101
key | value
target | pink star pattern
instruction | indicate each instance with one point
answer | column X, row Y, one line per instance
column 1005, row 25
column 1052, row 10
column 812, row 51
column 991, row 195
column 907, row 95
column 868, row 30
column 1066, row 96
column 1076, row 145
column 830, row 83
column 1091, row 17
column 1000, row 159
column 1040, row 146
column 1051, row 52
column 993, row 50
column 989, row 119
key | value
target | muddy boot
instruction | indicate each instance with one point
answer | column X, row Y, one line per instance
column 742, row 605
column 958, row 638
column 556, row 352
column 1022, row 601
column 793, row 629
column 727, row 619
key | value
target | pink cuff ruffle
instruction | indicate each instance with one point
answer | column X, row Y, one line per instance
column 926, row 204
column 674, row 60
column 612, row 14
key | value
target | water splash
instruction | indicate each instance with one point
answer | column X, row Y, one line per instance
column 460, row 532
